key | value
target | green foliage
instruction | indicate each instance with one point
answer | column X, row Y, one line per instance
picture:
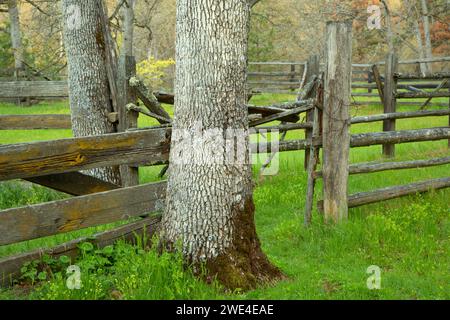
column 7, row 55
column 124, row 271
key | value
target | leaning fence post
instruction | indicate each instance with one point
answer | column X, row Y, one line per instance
column 312, row 165
column 369, row 80
column 292, row 78
column 313, row 70
column 390, row 101
column 336, row 119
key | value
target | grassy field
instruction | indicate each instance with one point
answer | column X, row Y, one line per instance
column 408, row 238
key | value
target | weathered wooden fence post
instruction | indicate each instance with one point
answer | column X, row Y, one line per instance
column 390, row 101
column 369, row 80
column 127, row 119
column 336, row 119
column 127, row 68
column 292, row 77
column 313, row 70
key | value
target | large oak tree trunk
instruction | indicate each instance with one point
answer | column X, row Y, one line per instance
column 210, row 210
column 89, row 90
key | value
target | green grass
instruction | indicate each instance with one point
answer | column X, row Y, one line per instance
column 408, row 238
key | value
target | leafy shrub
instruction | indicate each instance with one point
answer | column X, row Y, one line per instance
column 153, row 71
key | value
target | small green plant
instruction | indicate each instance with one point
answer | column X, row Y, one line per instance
column 41, row 269
column 29, row 271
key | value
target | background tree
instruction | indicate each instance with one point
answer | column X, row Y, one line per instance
column 427, row 34
column 16, row 38
column 209, row 205
column 289, row 30
column 90, row 94
column 6, row 55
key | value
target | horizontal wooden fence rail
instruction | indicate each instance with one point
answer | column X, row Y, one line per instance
column 281, row 115
column 416, row 61
column 278, row 63
column 399, row 103
column 360, row 140
column 273, row 74
column 365, row 65
column 364, row 198
column 73, row 183
column 361, row 168
column 10, row 266
column 283, row 127
column 400, row 86
column 35, row 159
column 364, row 94
column 31, row 122
column 38, row 89
column 31, row 222
column 399, row 115
column 277, row 83
column 409, row 76
column 416, row 95
column 398, row 137
column 51, row 89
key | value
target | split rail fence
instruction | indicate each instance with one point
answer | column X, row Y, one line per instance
column 59, row 164
column 288, row 77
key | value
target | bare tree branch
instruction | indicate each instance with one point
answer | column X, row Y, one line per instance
column 116, row 10
column 253, row 2
column 37, row 7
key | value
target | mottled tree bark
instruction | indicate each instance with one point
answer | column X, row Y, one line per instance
column 209, row 207
column 89, row 91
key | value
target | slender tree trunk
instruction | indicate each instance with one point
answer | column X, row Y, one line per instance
column 128, row 27
column 89, row 89
column 389, row 32
column 420, row 48
column 16, row 38
column 426, row 30
column 209, row 207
